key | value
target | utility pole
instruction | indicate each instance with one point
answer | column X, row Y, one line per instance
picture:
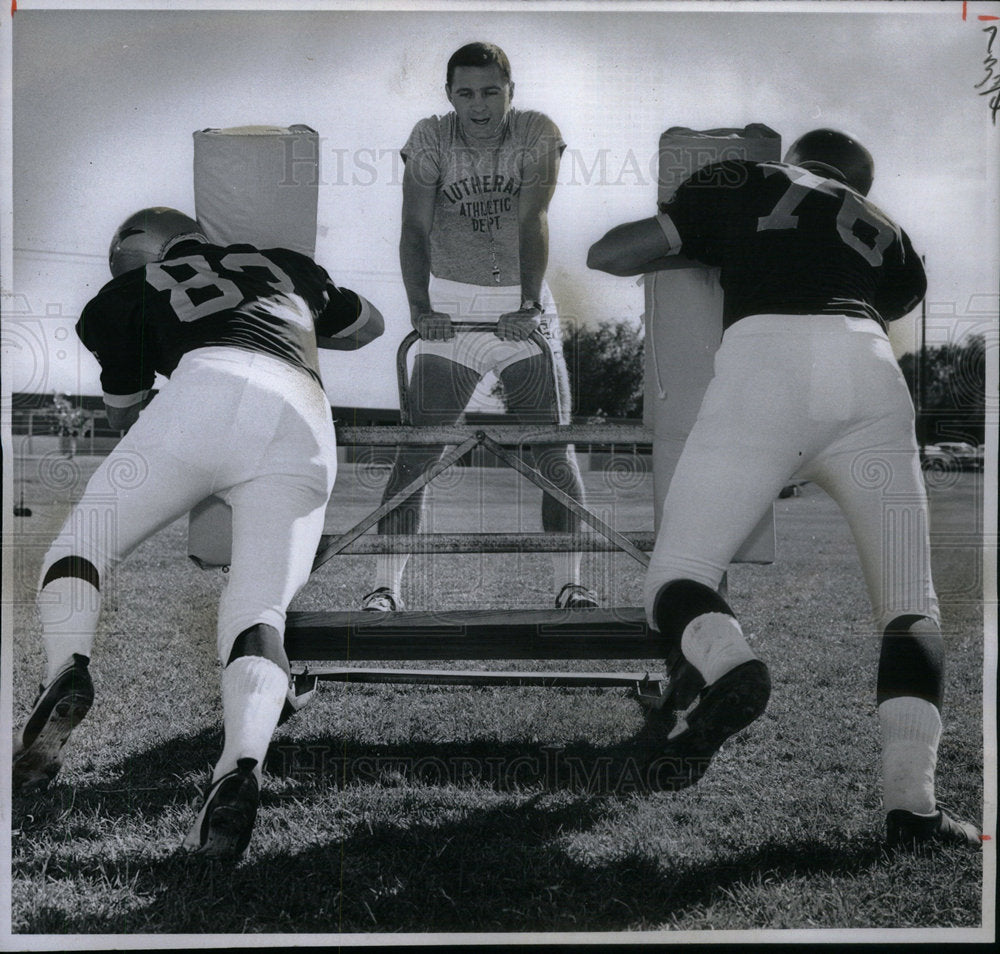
column 922, row 371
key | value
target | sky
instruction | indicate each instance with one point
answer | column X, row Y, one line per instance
column 103, row 104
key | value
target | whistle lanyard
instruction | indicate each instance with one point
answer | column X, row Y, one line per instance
column 489, row 222
column 493, row 254
column 494, row 260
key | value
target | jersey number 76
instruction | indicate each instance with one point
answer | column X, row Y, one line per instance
column 878, row 232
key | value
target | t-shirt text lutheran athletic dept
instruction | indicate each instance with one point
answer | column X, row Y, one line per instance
column 478, row 184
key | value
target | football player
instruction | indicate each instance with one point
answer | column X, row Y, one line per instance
column 474, row 247
column 806, row 387
column 243, row 415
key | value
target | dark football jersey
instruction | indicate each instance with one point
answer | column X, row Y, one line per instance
column 275, row 301
column 788, row 241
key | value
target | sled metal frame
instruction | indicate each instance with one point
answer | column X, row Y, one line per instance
column 611, row 633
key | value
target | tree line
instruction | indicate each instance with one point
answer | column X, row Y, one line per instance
column 948, row 386
column 947, row 383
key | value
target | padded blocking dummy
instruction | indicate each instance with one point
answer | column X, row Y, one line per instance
column 683, row 318
column 256, row 184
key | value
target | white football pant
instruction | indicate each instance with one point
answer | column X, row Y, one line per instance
column 246, row 426
column 810, row 397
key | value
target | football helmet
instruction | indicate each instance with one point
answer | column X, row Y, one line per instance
column 147, row 236
column 834, row 154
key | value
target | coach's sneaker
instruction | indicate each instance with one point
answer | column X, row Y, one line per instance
column 382, row 600
column 722, row 709
column 57, row 711
column 576, row 596
column 225, row 822
column 908, row 830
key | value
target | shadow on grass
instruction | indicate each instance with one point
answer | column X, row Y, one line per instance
column 145, row 783
column 580, row 767
column 492, row 870
column 161, row 775
column 176, row 771
column 431, row 861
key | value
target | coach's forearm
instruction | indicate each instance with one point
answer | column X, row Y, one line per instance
column 415, row 264
column 533, row 251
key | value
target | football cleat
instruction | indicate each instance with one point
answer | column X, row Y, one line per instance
column 908, row 830
column 300, row 693
column 382, row 600
column 225, row 822
column 685, row 684
column 58, row 710
column 666, row 706
column 575, row 596
column 721, row 710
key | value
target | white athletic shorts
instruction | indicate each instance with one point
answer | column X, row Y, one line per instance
column 484, row 351
column 814, row 397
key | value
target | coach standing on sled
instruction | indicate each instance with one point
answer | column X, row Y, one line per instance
column 805, row 386
column 474, row 247
column 244, row 416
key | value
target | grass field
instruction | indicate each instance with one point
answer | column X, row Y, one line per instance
column 445, row 810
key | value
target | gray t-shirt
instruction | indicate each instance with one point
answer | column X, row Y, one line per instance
column 478, row 184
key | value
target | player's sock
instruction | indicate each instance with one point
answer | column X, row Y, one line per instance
column 253, row 693
column 713, row 643
column 566, row 568
column 69, row 608
column 911, row 730
column 389, row 569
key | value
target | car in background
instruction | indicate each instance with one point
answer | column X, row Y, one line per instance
column 933, row 458
column 965, row 455
column 950, row 455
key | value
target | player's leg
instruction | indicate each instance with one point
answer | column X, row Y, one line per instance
column 165, row 464
column 745, row 444
column 277, row 523
column 529, row 386
column 879, row 487
column 134, row 493
column 734, row 464
column 439, row 391
column 276, row 468
column 695, row 543
column 735, row 684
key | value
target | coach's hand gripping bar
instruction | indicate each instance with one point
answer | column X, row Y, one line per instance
column 462, row 327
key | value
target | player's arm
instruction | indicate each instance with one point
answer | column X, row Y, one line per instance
column 904, row 283
column 419, row 194
column 538, row 184
column 686, row 222
column 348, row 322
column 122, row 418
column 646, row 245
column 112, row 331
column 126, row 389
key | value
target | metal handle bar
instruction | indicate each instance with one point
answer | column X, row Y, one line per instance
column 402, row 376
